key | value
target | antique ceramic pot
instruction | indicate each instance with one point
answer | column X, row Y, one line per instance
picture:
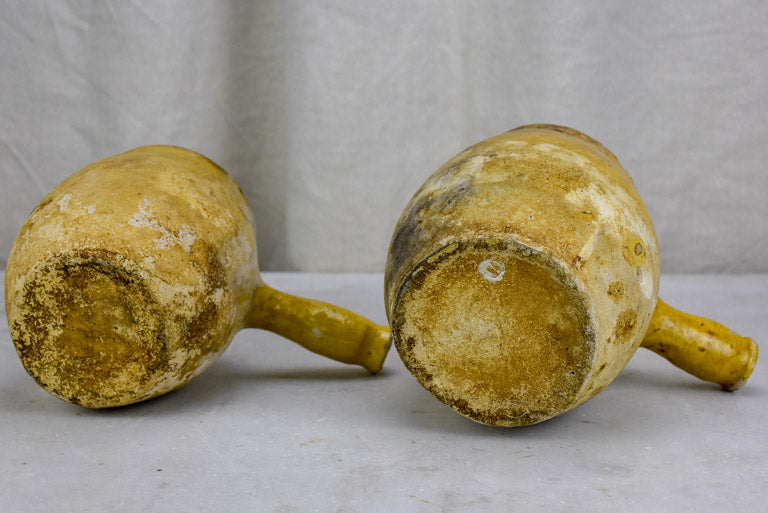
column 522, row 276
column 133, row 275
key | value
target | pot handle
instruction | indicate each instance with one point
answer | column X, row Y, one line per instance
column 320, row 327
column 701, row 347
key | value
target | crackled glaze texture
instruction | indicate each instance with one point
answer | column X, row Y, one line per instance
column 133, row 275
column 522, row 276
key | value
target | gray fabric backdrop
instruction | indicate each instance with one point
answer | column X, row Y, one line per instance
column 330, row 114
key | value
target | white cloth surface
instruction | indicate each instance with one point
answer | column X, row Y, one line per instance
column 271, row 427
column 330, row 114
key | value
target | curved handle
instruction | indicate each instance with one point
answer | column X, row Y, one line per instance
column 322, row 328
column 701, row 347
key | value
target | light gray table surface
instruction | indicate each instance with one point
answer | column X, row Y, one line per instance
column 271, row 427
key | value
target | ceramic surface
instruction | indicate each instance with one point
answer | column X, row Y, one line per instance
column 523, row 275
column 133, row 275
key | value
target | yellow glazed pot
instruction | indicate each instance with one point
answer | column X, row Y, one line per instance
column 133, row 275
column 523, row 275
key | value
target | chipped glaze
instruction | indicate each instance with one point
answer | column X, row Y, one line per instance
column 522, row 277
column 133, row 275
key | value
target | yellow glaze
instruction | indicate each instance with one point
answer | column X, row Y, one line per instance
column 133, row 275
column 701, row 347
column 320, row 327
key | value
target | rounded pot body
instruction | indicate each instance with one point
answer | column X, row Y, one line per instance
column 131, row 276
column 522, row 276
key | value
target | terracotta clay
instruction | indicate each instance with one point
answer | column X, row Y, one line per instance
column 133, row 275
column 523, row 275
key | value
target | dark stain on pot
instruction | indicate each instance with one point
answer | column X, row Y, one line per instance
column 411, row 236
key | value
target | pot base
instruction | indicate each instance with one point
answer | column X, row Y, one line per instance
column 87, row 330
column 496, row 330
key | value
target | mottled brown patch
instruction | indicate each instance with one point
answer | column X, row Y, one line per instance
column 204, row 332
column 616, row 291
column 624, row 327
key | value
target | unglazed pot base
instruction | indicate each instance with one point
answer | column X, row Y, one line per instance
column 496, row 330
column 94, row 334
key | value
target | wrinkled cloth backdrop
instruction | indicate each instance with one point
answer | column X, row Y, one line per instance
column 330, row 114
